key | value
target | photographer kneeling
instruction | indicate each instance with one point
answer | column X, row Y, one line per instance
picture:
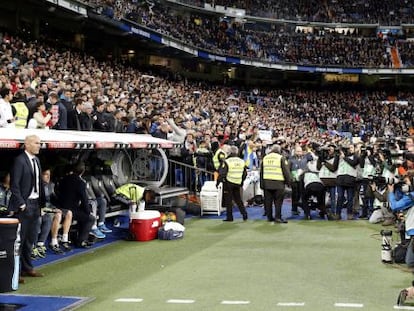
column 402, row 199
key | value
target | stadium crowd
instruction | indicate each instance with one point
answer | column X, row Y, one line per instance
column 394, row 12
column 270, row 42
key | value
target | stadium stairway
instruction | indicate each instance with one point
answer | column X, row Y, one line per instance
column 395, row 58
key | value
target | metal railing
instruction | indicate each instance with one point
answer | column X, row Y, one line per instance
column 188, row 176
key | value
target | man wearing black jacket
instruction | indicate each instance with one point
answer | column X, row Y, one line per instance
column 72, row 195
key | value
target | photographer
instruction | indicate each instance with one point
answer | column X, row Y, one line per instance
column 368, row 164
column 403, row 200
column 327, row 164
column 346, row 180
column 381, row 211
column 313, row 186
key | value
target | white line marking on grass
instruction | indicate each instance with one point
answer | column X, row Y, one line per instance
column 235, row 302
column 348, row 305
column 403, row 308
column 180, row 301
column 129, row 300
column 291, row 304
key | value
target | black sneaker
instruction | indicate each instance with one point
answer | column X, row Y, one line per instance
column 66, row 246
column 86, row 244
column 56, row 249
column 281, row 221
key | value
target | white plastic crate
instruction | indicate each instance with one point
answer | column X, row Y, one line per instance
column 211, row 198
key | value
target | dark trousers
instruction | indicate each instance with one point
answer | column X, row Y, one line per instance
column 275, row 196
column 28, row 233
column 296, row 195
column 85, row 223
column 231, row 192
column 317, row 190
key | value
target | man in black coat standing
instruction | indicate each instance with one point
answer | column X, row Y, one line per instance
column 26, row 199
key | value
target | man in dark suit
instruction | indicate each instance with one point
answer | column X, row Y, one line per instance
column 72, row 195
column 26, row 199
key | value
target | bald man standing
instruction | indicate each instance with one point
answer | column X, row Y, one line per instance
column 26, row 199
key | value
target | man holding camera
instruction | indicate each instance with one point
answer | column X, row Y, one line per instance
column 402, row 199
column 346, row 180
column 327, row 165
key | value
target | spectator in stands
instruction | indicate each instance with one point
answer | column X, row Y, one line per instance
column 58, row 111
column 100, row 123
column 41, row 118
column 75, row 115
column 6, row 113
column 31, row 101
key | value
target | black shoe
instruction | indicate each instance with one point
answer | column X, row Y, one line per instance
column 281, row 221
column 56, row 249
column 270, row 219
column 229, row 220
column 85, row 244
column 66, row 246
column 245, row 217
column 363, row 216
column 295, row 213
column 307, row 217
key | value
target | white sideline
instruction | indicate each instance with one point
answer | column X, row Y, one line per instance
column 291, row 304
column 403, row 307
column 129, row 300
column 235, row 302
column 349, row 305
column 180, row 301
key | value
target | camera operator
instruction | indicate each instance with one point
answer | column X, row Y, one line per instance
column 381, row 211
column 313, row 186
column 327, row 164
column 346, row 180
column 368, row 164
column 402, row 199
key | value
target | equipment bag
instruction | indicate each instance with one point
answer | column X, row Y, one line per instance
column 169, row 234
column 399, row 253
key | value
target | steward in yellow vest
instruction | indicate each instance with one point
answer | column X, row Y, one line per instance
column 274, row 174
column 21, row 114
column 232, row 173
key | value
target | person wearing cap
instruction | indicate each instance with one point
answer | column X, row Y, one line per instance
column 274, row 175
column 232, row 174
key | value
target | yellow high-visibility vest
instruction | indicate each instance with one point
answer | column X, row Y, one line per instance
column 128, row 190
column 216, row 158
column 22, row 112
column 272, row 167
column 235, row 172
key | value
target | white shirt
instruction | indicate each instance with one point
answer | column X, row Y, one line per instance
column 6, row 113
column 33, row 194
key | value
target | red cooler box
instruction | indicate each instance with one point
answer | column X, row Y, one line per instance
column 144, row 225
